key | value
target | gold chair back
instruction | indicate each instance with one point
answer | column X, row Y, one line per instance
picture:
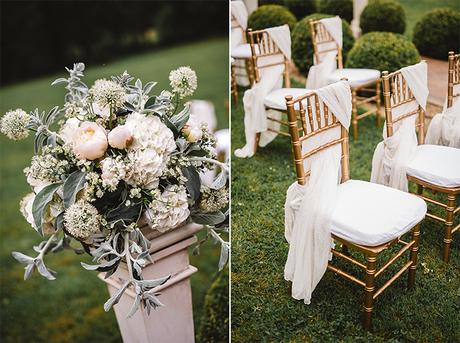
column 453, row 77
column 305, row 122
column 263, row 46
column 323, row 43
column 396, row 93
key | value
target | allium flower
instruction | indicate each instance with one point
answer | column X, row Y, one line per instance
column 108, row 93
column 183, row 81
column 113, row 170
column 13, row 124
column 212, row 200
column 82, row 220
column 169, row 210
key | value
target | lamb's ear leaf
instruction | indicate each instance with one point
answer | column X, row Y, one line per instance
column 41, row 201
column 74, row 183
column 193, row 183
column 181, row 118
column 212, row 218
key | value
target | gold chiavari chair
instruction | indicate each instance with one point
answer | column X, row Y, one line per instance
column 234, row 86
column 241, row 52
column 263, row 47
column 453, row 78
column 361, row 80
column 433, row 166
column 381, row 222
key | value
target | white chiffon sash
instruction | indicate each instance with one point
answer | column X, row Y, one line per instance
column 393, row 153
column 319, row 73
column 241, row 15
column 444, row 128
column 255, row 114
column 309, row 208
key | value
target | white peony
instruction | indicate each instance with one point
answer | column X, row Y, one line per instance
column 68, row 130
column 169, row 210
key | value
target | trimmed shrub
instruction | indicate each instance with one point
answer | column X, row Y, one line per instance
column 437, row 33
column 342, row 8
column 383, row 51
column 301, row 8
column 302, row 46
column 383, row 15
column 215, row 320
column 270, row 16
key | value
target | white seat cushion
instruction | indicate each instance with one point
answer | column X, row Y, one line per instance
column 371, row 214
column 241, row 51
column 276, row 99
column 436, row 164
column 356, row 77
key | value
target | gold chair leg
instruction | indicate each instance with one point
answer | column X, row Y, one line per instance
column 377, row 103
column 257, row 142
column 369, row 291
column 448, row 226
column 354, row 114
column 249, row 72
column 234, row 86
column 415, row 235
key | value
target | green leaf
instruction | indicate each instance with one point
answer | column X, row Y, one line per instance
column 193, row 183
column 181, row 118
column 42, row 199
column 212, row 218
column 74, row 183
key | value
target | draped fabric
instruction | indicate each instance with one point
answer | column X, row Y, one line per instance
column 238, row 10
column 358, row 7
column 271, row 78
column 320, row 71
column 393, row 153
column 444, row 128
column 251, row 5
column 309, row 208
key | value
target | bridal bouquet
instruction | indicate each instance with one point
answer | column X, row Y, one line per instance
column 112, row 160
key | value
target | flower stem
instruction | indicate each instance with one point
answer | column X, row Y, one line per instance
column 43, row 251
column 128, row 255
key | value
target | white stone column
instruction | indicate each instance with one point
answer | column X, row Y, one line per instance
column 174, row 322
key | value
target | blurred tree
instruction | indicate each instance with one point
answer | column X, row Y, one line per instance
column 39, row 37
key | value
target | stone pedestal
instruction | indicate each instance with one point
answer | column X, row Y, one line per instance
column 174, row 321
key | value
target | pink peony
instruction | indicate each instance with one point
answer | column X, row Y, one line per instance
column 90, row 141
column 120, row 137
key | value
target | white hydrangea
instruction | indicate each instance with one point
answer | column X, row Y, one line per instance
column 82, row 220
column 107, row 93
column 68, row 130
column 113, row 170
column 145, row 168
column 149, row 132
column 13, row 124
column 183, row 81
column 169, row 209
column 52, row 211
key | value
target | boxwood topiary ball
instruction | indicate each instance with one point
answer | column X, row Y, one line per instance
column 302, row 46
column 383, row 15
column 438, row 32
column 270, row 16
column 382, row 51
column 342, row 8
column 301, row 8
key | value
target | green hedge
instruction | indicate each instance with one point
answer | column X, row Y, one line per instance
column 438, row 32
column 302, row 46
column 215, row 321
column 301, row 8
column 342, row 8
column 383, row 15
column 269, row 16
column 382, row 51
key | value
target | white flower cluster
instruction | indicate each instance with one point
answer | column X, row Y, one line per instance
column 113, row 170
column 72, row 110
column 81, row 220
column 13, row 124
column 107, row 93
column 148, row 154
column 46, row 168
column 183, row 81
column 169, row 209
column 212, row 200
column 93, row 187
column 52, row 211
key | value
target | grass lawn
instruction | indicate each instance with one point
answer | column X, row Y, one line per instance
column 69, row 309
column 416, row 9
column 262, row 307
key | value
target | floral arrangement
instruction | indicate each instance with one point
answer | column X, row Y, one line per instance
column 120, row 160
